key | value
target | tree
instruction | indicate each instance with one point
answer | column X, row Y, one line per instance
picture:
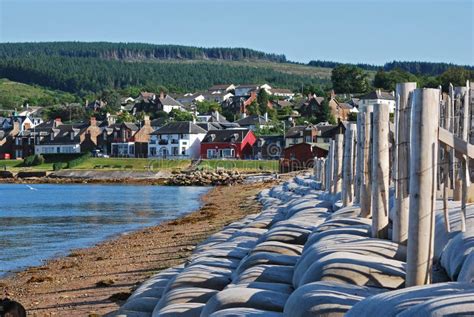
column 388, row 80
column 125, row 117
column 253, row 108
column 262, row 100
column 113, row 100
column 456, row 76
column 179, row 115
column 71, row 112
column 349, row 79
column 206, row 106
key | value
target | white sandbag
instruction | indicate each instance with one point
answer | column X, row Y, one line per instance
column 343, row 222
column 456, row 252
column 185, row 295
column 355, row 231
column 394, row 302
column 199, row 279
column 467, row 271
column 325, row 299
column 276, row 287
column 265, row 258
column 266, row 273
column 141, row 304
column 245, row 297
column 131, row 313
column 364, row 246
column 460, row 304
column 278, row 247
column 181, row 310
column 362, row 270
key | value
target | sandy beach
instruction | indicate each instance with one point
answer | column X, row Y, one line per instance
column 96, row 280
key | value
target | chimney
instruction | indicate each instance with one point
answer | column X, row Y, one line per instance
column 379, row 92
column 244, row 115
column 57, row 122
column 146, row 121
column 333, row 94
column 194, row 119
column 93, row 122
column 162, row 94
column 266, row 116
column 217, row 116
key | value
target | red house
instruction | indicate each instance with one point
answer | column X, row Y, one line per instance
column 231, row 143
column 301, row 156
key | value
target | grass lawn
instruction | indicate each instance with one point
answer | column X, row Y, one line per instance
column 135, row 164
column 241, row 165
column 16, row 166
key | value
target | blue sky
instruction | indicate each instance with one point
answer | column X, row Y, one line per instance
column 366, row 31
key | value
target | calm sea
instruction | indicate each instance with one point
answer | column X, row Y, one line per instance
column 38, row 222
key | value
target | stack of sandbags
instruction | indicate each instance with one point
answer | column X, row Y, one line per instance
column 262, row 282
column 209, row 269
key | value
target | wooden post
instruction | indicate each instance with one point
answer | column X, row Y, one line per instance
column 423, row 164
column 348, row 169
column 330, row 170
column 402, row 171
column 358, row 161
column 337, row 177
column 380, row 171
column 323, row 173
column 446, row 165
column 463, row 93
column 366, row 159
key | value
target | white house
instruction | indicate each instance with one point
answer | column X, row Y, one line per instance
column 376, row 97
column 176, row 139
column 168, row 103
column 281, row 92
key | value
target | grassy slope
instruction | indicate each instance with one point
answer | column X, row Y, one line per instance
column 13, row 94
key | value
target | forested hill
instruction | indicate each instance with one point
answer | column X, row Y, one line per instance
column 416, row 68
column 133, row 51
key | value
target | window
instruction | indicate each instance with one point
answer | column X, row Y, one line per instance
column 227, row 153
column 308, row 139
column 183, row 151
column 211, row 153
column 153, row 151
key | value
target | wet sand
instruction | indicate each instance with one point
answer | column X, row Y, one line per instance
column 96, row 280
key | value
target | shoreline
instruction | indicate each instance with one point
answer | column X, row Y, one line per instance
column 110, row 237
column 96, row 280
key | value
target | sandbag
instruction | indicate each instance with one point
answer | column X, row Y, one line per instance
column 362, row 270
column 266, row 273
column 245, row 312
column 181, row 310
column 394, row 302
column 245, row 297
column 325, row 299
column 456, row 252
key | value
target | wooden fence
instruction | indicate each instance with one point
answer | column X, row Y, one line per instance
column 424, row 155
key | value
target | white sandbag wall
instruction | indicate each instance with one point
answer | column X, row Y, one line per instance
column 315, row 252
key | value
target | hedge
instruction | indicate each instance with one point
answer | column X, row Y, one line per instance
column 77, row 161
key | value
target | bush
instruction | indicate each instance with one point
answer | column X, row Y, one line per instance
column 77, row 161
column 58, row 166
column 33, row 160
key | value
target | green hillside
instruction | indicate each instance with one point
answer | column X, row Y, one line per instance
column 14, row 95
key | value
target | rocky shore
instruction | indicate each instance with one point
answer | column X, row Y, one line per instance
column 206, row 178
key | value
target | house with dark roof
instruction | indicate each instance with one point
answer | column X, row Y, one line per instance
column 126, row 139
column 224, row 88
column 230, row 143
column 253, row 122
column 327, row 132
column 377, row 96
column 311, row 106
column 269, row 147
column 301, row 134
column 71, row 138
column 177, row 140
column 301, row 156
column 150, row 103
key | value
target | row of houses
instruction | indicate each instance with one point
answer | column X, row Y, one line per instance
column 214, row 138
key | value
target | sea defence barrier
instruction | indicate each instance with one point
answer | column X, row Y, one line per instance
column 371, row 232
